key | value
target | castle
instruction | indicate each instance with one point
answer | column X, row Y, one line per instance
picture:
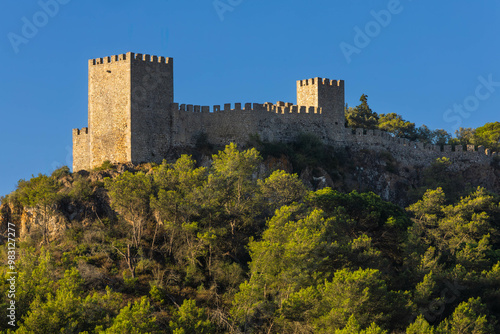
column 132, row 117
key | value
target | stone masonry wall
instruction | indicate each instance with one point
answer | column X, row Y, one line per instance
column 132, row 118
column 272, row 122
column 152, row 95
column 81, row 149
column 415, row 153
column 325, row 93
column 109, row 109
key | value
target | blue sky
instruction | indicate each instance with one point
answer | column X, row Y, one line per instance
column 417, row 58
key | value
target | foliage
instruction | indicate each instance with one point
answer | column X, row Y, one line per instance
column 284, row 281
column 232, row 248
column 39, row 192
column 462, row 233
column 189, row 319
column 362, row 116
column 61, row 172
column 396, row 125
column 466, row 136
column 133, row 319
column 81, row 189
column 420, row 326
column 469, row 317
column 106, row 165
column 488, row 135
column 130, row 195
column 281, row 188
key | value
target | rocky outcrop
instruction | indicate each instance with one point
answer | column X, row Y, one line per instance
column 361, row 170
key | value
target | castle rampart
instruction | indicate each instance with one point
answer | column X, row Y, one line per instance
column 414, row 153
column 133, row 118
column 130, row 56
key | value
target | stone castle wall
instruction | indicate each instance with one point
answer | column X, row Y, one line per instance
column 81, row 149
column 415, row 153
column 109, row 109
column 132, row 118
column 152, row 94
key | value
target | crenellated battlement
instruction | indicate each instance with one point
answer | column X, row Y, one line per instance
column 374, row 138
column 82, row 131
column 129, row 56
column 278, row 108
column 132, row 118
column 320, row 82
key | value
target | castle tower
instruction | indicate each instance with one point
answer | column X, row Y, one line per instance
column 127, row 94
column 324, row 93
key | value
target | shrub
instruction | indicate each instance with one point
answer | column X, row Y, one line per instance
column 61, row 172
column 106, row 165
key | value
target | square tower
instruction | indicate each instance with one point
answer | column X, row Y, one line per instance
column 127, row 92
column 324, row 93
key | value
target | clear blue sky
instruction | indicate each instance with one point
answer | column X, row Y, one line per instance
column 420, row 60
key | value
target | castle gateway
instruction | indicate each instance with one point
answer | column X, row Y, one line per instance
column 132, row 117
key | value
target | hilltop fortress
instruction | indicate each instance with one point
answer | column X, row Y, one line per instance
column 132, row 117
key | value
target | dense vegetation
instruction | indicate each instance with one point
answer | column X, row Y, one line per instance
column 364, row 117
column 231, row 248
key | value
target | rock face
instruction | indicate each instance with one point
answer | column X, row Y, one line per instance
column 395, row 180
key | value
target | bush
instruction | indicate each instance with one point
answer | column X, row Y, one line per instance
column 61, row 172
column 81, row 189
column 106, row 165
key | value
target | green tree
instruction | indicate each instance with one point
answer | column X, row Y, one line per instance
column 130, row 195
column 469, row 317
column 424, row 134
column 395, row 124
column 466, row 136
column 232, row 179
column 361, row 293
column 67, row 311
column 462, row 232
column 81, row 189
column 132, row 319
column 304, row 246
column 420, row 326
column 362, row 116
column 61, row 172
column 35, row 280
column 281, row 262
column 441, row 137
column 178, row 200
column 488, row 135
column 190, row 319
column 229, row 200
column 353, row 327
column 281, row 188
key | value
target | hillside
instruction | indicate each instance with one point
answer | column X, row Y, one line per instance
column 285, row 238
